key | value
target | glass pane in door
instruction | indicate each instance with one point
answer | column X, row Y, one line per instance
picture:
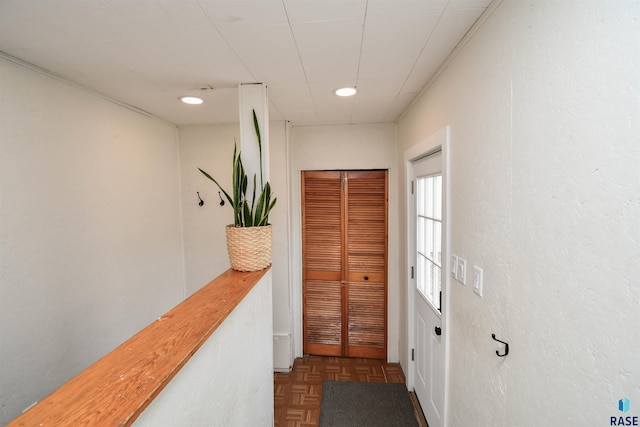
column 429, row 238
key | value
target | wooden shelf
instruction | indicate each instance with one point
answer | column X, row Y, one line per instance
column 117, row 388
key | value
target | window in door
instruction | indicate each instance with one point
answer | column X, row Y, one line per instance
column 429, row 238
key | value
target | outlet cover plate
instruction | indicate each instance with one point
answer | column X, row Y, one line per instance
column 462, row 271
column 454, row 266
column 477, row 280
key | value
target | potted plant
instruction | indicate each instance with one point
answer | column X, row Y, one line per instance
column 249, row 237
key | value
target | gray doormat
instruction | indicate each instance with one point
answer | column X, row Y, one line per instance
column 358, row 404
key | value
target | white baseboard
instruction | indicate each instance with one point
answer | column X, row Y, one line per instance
column 282, row 352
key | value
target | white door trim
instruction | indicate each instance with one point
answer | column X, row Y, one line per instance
column 438, row 141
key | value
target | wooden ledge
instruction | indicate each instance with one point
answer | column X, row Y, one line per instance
column 117, row 388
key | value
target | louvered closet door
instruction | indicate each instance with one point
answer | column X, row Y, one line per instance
column 344, row 222
column 322, row 262
column 366, row 266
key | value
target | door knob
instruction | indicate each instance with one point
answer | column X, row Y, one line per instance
column 366, row 277
column 438, row 330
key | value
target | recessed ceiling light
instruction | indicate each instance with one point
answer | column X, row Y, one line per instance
column 194, row 100
column 346, row 91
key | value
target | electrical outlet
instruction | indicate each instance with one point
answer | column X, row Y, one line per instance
column 454, row 266
column 462, row 271
column 477, row 280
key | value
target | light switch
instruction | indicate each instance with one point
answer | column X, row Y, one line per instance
column 454, row 266
column 477, row 280
column 462, row 271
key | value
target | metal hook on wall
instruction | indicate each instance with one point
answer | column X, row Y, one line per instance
column 506, row 346
column 221, row 201
column 201, row 202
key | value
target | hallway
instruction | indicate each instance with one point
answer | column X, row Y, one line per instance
column 298, row 394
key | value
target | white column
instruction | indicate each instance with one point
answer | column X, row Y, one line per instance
column 253, row 96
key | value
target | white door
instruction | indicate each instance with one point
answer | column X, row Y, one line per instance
column 429, row 355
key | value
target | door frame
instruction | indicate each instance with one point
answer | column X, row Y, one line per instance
column 438, row 141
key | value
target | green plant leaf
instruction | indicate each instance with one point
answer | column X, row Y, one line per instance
column 264, row 206
column 253, row 198
column 260, row 208
column 216, row 182
column 257, row 127
column 247, row 220
column 266, row 218
column 237, row 188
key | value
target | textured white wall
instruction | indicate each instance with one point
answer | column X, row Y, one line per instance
column 229, row 380
column 345, row 147
column 91, row 247
column 544, row 108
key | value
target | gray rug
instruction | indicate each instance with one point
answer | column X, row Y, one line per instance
column 357, row 404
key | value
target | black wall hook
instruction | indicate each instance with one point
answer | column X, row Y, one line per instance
column 201, row 202
column 506, row 346
column 221, row 201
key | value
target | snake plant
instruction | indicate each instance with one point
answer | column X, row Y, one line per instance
column 247, row 213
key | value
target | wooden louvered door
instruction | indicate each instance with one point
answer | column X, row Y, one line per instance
column 322, row 214
column 366, row 263
column 344, row 246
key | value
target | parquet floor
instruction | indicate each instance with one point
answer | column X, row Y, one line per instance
column 298, row 394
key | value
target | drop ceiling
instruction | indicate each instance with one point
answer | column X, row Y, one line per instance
column 147, row 54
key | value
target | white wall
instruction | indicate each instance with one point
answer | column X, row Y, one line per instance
column 279, row 159
column 91, row 247
column 210, row 147
column 228, row 381
column 339, row 148
column 544, row 107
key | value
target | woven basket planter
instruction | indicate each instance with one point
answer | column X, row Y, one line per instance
column 249, row 248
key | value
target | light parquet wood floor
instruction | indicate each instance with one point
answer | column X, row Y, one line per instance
column 298, row 394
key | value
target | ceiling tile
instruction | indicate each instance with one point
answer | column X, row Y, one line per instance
column 25, row 27
column 324, row 10
column 144, row 58
column 404, row 7
column 92, row 20
column 371, row 89
column 165, row 17
column 290, row 96
column 468, row 4
column 328, row 38
column 8, row 45
column 342, row 70
column 396, row 65
column 398, row 32
column 268, row 52
column 392, row 45
column 244, row 13
column 368, row 114
column 207, row 56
